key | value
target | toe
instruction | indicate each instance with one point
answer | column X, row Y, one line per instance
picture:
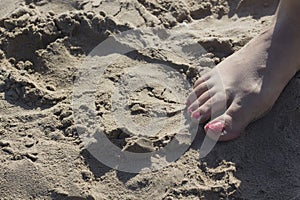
column 199, row 102
column 207, row 106
column 229, row 125
column 203, row 112
column 221, row 129
column 200, row 80
column 197, row 92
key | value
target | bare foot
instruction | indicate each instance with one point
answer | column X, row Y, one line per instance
column 252, row 78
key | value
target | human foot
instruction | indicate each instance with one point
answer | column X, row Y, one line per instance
column 252, row 79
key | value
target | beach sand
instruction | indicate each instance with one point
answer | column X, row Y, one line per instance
column 45, row 43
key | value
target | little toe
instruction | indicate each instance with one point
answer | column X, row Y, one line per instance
column 200, row 80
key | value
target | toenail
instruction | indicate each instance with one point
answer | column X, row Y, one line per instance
column 216, row 127
column 196, row 115
column 188, row 103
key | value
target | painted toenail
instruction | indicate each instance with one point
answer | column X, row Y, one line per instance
column 188, row 103
column 216, row 127
column 196, row 115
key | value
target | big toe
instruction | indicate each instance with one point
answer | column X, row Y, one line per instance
column 221, row 129
column 229, row 125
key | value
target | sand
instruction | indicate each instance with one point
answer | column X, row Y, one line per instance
column 45, row 44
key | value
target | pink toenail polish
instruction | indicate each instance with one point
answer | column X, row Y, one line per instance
column 196, row 115
column 216, row 127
